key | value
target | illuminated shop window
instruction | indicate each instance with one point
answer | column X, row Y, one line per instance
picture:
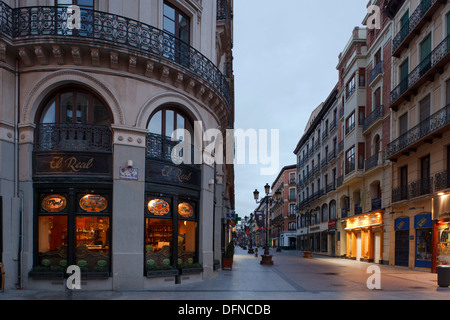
column 73, row 235
column 171, row 235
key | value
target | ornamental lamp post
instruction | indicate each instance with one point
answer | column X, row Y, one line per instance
column 268, row 199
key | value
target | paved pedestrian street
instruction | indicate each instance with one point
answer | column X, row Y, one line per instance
column 290, row 278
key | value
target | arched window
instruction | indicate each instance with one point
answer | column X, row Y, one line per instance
column 73, row 119
column 332, row 210
column 324, row 212
column 165, row 121
column 75, row 106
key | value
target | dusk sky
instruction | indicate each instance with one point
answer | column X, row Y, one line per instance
column 285, row 58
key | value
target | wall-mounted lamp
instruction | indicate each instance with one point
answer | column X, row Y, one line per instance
column 130, row 164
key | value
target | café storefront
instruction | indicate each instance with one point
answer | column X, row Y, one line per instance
column 73, row 184
column 441, row 231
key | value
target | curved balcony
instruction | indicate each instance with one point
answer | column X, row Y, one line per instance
column 20, row 25
column 73, row 137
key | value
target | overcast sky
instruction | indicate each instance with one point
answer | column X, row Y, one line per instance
column 285, row 58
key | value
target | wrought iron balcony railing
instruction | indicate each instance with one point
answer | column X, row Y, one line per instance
column 413, row 190
column 431, row 125
column 414, row 22
column 73, row 137
column 162, row 148
column 371, row 162
column 442, row 181
column 437, row 58
column 377, row 70
column 50, row 22
column 373, row 117
column 376, row 204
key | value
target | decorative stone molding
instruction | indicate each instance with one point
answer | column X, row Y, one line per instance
column 58, row 53
column 129, row 136
column 76, row 54
column 51, row 81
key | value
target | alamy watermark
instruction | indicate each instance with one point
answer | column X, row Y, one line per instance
column 374, row 18
column 234, row 146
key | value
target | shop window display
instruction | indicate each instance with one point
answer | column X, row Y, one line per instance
column 164, row 230
column 443, row 247
column 69, row 235
column 423, row 247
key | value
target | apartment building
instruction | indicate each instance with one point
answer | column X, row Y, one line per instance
column 89, row 108
column 351, row 188
column 317, row 179
column 282, row 219
column 419, row 148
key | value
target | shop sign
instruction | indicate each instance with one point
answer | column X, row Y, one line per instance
column 93, row 203
column 185, row 210
column 441, row 207
column 401, row 224
column 423, row 221
column 72, row 164
column 54, row 203
column 364, row 221
column 332, row 225
column 172, row 174
column 158, row 207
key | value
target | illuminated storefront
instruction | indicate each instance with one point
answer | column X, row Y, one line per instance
column 441, row 214
column 364, row 237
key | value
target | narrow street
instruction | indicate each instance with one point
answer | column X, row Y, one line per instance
column 291, row 278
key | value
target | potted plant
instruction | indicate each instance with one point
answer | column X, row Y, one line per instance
column 227, row 263
column 216, row 264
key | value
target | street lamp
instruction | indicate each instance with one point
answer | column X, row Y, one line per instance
column 266, row 257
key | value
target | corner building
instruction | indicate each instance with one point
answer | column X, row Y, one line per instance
column 87, row 143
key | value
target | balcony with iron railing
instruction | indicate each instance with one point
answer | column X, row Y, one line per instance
column 413, row 190
column 431, row 127
column 427, row 68
column 376, row 204
column 73, row 138
column 162, row 148
column 417, row 20
column 39, row 25
column 373, row 117
column 376, row 72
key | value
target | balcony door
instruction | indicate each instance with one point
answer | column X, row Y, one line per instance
column 404, row 73
column 425, row 55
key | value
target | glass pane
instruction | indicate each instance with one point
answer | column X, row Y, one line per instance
column 180, row 126
column 158, row 243
column 66, row 107
column 169, row 25
column 92, row 244
column 52, row 245
column 424, row 247
column 49, row 116
column 169, row 12
column 88, row 4
column 82, row 108
column 170, row 123
column 184, row 28
column 155, row 125
column 187, row 242
column 65, row 2
column 101, row 114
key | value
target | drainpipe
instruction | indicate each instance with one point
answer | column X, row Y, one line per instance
column 17, row 193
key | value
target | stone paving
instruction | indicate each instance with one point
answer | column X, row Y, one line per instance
column 290, row 278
